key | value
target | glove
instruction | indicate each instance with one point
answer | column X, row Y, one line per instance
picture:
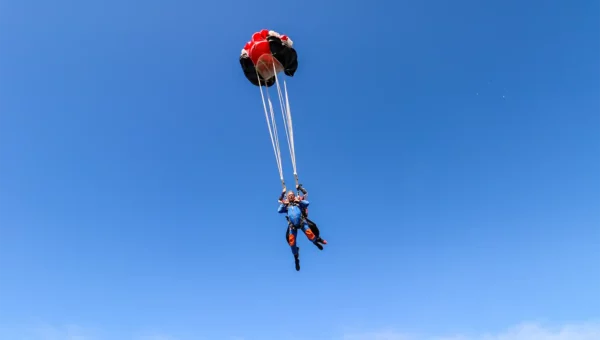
column 299, row 187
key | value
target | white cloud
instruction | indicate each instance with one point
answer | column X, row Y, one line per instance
column 525, row 331
column 381, row 335
column 70, row 332
column 155, row 337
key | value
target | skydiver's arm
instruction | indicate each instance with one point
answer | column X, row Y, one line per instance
column 282, row 209
column 304, row 203
column 280, row 200
column 301, row 188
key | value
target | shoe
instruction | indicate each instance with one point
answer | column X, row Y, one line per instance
column 320, row 240
column 318, row 245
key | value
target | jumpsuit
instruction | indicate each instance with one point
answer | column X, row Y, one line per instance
column 297, row 221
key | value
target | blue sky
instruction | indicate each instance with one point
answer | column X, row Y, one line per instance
column 450, row 150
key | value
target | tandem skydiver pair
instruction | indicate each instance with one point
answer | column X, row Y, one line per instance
column 296, row 208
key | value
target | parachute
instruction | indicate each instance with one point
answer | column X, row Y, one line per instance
column 263, row 57
column 266, row 54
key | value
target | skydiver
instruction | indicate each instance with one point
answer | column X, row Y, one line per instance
column 294, row 208
column 312, row 225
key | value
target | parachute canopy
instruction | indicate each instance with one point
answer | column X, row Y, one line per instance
column 267, row 54
column 263, row 57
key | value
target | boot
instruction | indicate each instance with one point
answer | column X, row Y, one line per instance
column 316, row 243
column 297, row 260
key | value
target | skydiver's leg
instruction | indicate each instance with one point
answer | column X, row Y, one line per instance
column 291, row 237
column 311, row 236
column 313, row 226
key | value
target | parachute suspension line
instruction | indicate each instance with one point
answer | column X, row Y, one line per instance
column 291, row 130
column 287, row 118
column 284, row 115
column 276, row 134
column 271, row 124
column 284, row 103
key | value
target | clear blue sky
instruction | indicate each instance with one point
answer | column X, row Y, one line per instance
column 450, row 148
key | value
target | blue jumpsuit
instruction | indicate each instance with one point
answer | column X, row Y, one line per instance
column 294, row 213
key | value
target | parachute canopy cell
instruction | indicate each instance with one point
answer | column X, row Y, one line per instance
column 267, row 54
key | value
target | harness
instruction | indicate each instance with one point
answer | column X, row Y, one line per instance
column 303, row 217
